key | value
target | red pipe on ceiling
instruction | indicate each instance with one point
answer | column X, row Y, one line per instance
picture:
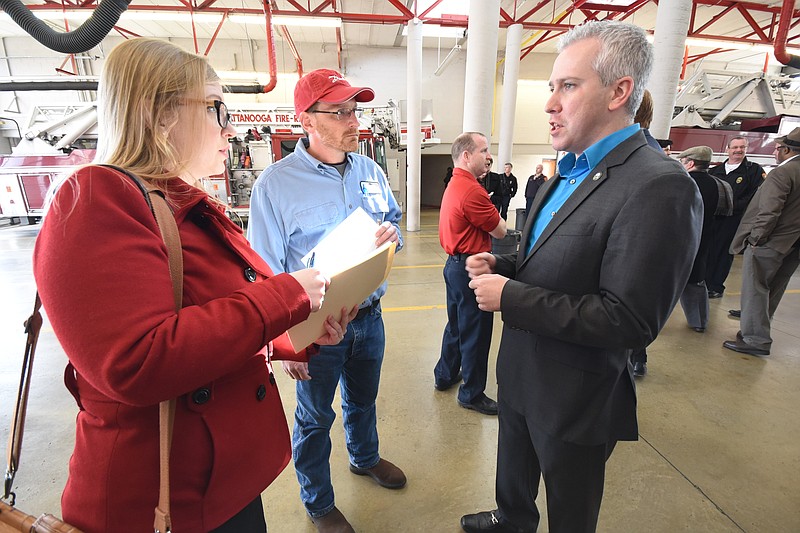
column 787, row 10
column 273, row 66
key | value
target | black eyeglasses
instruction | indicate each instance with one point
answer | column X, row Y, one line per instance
column 223, row 117
column 340, row 114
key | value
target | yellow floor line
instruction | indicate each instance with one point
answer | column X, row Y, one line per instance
column 414, row 308
column 417, row 266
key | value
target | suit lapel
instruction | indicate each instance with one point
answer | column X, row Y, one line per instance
column 596, row 177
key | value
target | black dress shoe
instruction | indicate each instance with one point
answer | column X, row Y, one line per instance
column 700, row 330
column 714, row 294
column 735, row 313
column 486, row 521
column 443, row 386
column 742, row 347
column 483, row 404
column 639, row 368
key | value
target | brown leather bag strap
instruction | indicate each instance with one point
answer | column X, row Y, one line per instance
column 166, row 409
column 32, row 327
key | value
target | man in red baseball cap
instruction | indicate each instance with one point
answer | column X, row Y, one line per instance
column 294, row 204
column 328, row 86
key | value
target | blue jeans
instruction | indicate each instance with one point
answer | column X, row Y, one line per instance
column 355, row 365
column 467, row 336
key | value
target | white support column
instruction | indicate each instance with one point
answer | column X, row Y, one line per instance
column 414, row 123
column 672, row 25
column 510, row 78
column 482, row 30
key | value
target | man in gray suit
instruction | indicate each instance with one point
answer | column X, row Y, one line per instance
column 603, row 259
column 769, row 236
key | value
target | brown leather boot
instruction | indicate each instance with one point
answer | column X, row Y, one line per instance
column 333, row 522
column 384, row 473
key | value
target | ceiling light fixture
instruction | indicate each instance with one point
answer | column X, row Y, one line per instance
column 434, row 30
column 289, row 20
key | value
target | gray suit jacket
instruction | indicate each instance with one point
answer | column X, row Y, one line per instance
column 602, row 279
column 772, row 218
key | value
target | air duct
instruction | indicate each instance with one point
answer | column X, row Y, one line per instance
column 86, row 37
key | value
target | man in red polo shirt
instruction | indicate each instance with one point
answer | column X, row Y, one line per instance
column 466, row 220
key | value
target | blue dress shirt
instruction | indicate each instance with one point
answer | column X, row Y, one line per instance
column 298, row 200
column 572, row 170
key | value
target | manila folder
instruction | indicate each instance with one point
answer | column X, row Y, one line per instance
column 348, row 288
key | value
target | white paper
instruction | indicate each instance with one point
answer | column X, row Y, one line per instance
column 347, row 245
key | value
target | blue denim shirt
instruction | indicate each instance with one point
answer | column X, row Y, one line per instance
column 298, row 200
column 572, row 170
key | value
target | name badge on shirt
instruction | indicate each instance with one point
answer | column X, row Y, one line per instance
column 369, row 188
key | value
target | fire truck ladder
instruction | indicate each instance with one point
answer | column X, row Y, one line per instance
column 719, row 98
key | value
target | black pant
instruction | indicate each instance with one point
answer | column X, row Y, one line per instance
column 723, row 229
column 574, row 476
column 248, row 520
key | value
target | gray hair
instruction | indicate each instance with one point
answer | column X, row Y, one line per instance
column 738, row 138
column 624, row 51
column 464, row 143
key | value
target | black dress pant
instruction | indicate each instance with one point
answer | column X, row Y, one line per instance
column 574, row 476
column 719, row 261
column 248, row 520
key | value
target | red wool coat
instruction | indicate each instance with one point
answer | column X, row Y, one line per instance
column 101, row 268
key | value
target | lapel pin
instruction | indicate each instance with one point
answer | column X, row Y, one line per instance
column 597, row 176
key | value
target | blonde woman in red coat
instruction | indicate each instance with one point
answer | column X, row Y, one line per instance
column 101, row 268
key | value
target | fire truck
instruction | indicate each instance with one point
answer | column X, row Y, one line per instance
column 59, row 138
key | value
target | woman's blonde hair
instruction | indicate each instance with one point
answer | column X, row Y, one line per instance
column 143, row 84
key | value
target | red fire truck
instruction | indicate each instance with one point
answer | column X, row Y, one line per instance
column 63, row 137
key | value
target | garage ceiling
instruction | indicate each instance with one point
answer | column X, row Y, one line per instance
column 379, row 23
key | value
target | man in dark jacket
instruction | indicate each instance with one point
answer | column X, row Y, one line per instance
column 509, row 189
column 744, row 178
column 493, row 183
column 694, row 298
column 531, row 188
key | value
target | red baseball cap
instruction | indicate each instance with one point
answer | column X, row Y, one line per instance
column 324, row 85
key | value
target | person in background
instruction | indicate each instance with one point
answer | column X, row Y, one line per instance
column 448, row 175
column 666, row 145
column 694, row 299
column 510, row 188
column 744, row 177
column 467, row 219
column 295, row 203
column 605, row 259
column 129, row 348
column 494, row 185
column 643, row 117
column 769, row 237
column 532, row 187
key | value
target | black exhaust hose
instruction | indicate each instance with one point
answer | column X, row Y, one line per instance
column 84, row 38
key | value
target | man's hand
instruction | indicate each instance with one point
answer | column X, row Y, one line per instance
column 488, row 291
column 296, row 370
column 386, row 232
column 335, row 329
column 482, row 263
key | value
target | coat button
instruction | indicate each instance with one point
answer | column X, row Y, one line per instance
column 201, row 396
column 261, row 393
column 250, row 274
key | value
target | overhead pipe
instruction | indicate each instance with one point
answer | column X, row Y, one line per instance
column 787, row 11
column 273, row 65
column 87, row 36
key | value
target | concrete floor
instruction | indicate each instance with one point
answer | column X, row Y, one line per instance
column 719, row 448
